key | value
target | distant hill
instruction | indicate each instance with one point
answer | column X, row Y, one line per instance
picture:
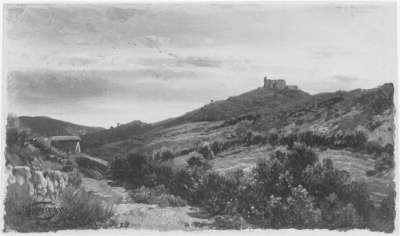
column 46, row 126
column 255, row 101
column 122, row 132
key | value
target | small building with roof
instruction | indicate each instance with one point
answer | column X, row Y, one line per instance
column 67, row 144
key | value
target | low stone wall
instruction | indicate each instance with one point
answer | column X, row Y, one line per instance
column 43, row 186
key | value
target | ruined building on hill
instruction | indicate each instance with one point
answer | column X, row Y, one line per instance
column 277, row 84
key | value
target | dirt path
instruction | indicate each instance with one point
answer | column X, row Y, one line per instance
column 143, row 216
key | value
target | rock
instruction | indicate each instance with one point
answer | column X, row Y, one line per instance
column 22, row 174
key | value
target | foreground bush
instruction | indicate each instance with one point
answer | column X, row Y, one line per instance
column 158, row 195
column 291, row 190
column 76, row 209
column 17, row 206
column 80, row 209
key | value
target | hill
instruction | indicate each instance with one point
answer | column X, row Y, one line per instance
column 282, row 111
column 119, row 133
column 255, row 101
column 252, row 102
column 46, row 126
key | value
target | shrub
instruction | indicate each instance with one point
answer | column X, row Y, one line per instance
column 242, row 129
column 311, row 138
column 386, row 212
column 134, row 170
column 300, row 211
column 81, row 209
column 299, row 157
column 389, row 149
column 16, row 136
column 384, row 162
column 340, row 216
column 205, row 150
column 354, row 140
column 356, row 194
column 77, row 209
column 184, row 184
column 273, row 138
column 157, row 195
column 225, row 222
column 218, row 194
column 164, row 174
column 197, row 160
column 254, row 138
column 288, row 140
column 217, row 146
column 165, row 154
column 372, row 147
column 17, row 206
column 323, row 180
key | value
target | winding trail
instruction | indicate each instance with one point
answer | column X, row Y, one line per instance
column 129, row 214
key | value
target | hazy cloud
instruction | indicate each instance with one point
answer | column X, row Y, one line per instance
column 345, row 79
column 121, row 14
column 177, row 61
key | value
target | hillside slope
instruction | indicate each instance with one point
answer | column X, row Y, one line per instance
column 252, row 102
column 255, row 101
column 46, row 126
column 281, row 111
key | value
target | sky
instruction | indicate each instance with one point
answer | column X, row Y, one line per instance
column 100, row 65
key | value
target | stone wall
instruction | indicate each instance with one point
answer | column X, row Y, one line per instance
column 43, row 185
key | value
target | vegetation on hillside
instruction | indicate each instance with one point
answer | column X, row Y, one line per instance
column 292, row 190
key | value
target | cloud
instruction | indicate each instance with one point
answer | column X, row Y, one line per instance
column 59, row 86
column 175, row 60
column 54, row 86
column 122, row 14
column 74, row 61
column 345, row 79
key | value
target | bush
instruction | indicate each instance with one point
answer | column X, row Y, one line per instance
column 372, row 147
column 17, row 206
column 323, row 180
column 134, row 170
column 389, row 149
column 205, row 150
column 164, row 154
column 384, row 162
column 386, row 212
column 254, row 138
column 288, row 140
column 218, row 194
column 217, row 146
column 300, row 211
column 224, row 222
column 273, row 138
column 157, row 195
column 184, row 184
column 299, row 157
column 77, row 209
column 197, row 160
column 16, row 136
column 81, row 209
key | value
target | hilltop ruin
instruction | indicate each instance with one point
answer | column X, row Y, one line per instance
column 277, row 84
